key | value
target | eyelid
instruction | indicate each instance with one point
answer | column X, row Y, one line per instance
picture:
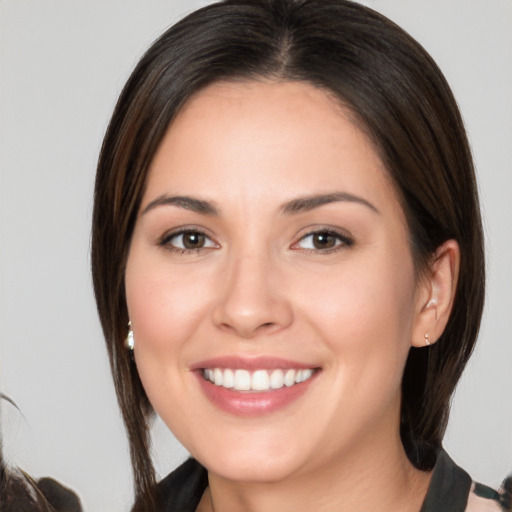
column 165, row 239
column 346, row 240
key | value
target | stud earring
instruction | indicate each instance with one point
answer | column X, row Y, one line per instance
column 129, row 342
column 427, row 341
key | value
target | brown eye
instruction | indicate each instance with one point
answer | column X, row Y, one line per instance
column 188, row 241
column 193, row 240
column 323, row 240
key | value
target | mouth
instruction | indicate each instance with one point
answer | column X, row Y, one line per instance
column 251, row 387
column 262, row 380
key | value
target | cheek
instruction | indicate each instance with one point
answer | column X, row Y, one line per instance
column 366, row 317
column 164, row 306
column 365, row 320
column 355, row 300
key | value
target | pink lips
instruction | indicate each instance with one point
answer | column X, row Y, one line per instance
column 249, row 363
column 251, row 403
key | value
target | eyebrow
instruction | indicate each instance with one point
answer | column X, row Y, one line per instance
column 186, row 202
column 295, row 206
column 305, row 204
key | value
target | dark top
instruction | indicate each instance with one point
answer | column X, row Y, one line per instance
column 449, row 489
column 21, row 493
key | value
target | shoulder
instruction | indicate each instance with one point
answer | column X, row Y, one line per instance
column 59, row 497
column 20, row 492
column 483, row 503
column 452, row 490
column 485, row 499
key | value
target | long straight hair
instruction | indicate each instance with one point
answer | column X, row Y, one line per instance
column 396, row 94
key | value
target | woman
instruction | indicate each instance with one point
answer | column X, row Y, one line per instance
column 287, row 233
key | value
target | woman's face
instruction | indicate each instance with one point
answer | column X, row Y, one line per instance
column 271, row 249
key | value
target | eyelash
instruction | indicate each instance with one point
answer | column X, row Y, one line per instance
column 166, row 241
column 342, row 241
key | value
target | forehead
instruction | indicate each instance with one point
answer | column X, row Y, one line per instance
column 269, row 107
column 251, row 136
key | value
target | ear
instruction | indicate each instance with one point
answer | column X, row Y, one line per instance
column 436, row 294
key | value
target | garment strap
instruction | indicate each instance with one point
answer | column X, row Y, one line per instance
column 449, row 487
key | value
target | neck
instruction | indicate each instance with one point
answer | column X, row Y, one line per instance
column 377, row 476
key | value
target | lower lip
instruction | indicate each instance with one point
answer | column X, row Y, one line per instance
column 252, row 403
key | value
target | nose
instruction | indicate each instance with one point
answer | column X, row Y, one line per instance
column 252, row 299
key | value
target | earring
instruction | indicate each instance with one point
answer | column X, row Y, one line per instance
column 129, row 342
column 427, row 341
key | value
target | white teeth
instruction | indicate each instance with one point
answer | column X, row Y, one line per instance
column 277, row 379
column 307, row 374
column 229, row 379
column 289, row 378
column 242, row 380
column 303, row 375
column 260, row 380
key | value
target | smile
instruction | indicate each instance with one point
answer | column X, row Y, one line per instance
column 254, row 386
column 258, row 380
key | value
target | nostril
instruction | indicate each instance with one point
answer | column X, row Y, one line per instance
column 267, row 327
column 250, row 331
column 251, row 315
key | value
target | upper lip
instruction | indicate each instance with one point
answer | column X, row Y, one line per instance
column 251, row 363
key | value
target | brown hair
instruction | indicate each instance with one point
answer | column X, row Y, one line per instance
column 401, row 100
column 20, row 492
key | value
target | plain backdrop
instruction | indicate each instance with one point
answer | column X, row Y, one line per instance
column 62, row 65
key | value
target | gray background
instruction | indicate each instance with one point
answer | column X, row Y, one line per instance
column 62, row 65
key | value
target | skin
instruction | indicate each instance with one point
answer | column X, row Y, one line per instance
column 260, row 286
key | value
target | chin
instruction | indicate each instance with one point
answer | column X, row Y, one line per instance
column 252, row 463
column 255, row 471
